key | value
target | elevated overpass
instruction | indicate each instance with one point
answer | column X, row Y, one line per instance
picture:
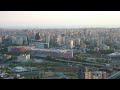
column 115, row 76
column 84, row 63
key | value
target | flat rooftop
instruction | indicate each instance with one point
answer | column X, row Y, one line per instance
column 51, row 50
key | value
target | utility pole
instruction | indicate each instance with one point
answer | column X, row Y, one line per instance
column 39, row 74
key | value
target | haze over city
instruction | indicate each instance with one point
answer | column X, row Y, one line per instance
column 59, row 45
column 59, row 19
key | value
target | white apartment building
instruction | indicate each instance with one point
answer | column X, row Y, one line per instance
column 71, row 44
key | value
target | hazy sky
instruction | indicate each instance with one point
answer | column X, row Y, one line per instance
column 46, row 19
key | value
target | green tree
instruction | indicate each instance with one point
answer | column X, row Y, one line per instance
column 106, row 51
column 79, row 57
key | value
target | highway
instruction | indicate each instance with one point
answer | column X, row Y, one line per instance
column 68, row 61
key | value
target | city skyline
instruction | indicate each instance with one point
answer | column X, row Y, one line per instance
column 82, row 53
column 59, row 19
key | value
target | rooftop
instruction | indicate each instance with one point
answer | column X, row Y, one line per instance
column 51, row 50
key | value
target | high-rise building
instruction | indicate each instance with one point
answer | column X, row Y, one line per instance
column 0, row 40
column 7, row 40
column 37, row 36
column 71, row 44
column 14, row 40
column 98, row 43
column 83, row 72
column 63, row 40
column 59, row 40
column 77, row 42
column 85, row 32
column 88, row 75
column 104, row 75
column 53, row 40
column 20, row 41
column 47, row 38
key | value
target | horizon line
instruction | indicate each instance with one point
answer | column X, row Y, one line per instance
column 51, row 27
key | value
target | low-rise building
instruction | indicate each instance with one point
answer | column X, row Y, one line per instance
column 5, row 57
column 38, row 44
column 98, row 75
column 114, row 57
column 19, row 69
column 104, row 47
column 19, row 48
column 52, row 52
column 23, row 58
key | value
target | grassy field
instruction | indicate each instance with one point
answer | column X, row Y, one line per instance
column 33, row 64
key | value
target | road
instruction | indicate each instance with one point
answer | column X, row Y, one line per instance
column 37, row 71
